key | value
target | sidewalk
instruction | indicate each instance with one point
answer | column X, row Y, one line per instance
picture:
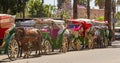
column 116, row 44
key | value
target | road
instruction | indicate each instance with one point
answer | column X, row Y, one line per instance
column 104, row 55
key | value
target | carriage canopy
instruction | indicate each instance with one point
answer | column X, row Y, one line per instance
column 6, row 22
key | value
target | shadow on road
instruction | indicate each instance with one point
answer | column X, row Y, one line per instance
column 4, row 60
column 32, row 56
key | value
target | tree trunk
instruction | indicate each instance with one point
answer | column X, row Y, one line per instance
column 42, row 1
column 75, row 9
column 108, row 18
column 113, row 16
column 23, row 10
column 88, row 9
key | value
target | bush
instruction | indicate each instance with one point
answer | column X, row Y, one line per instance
column 100, row 18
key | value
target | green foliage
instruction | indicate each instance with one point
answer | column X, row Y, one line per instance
column 118, row 2
column 38, row 9
column 82, row 2
column 65, row 14
column 12, row 6
column 117, row 16
column 100, row 18
column 100, row 3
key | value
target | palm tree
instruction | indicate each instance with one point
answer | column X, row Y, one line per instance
column 100, row 3
column 108, row 18
column 88, row 9
column 75, row 2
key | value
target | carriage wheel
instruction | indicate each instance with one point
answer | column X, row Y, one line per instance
column 78, row 44
column 64, row 45
column 13, row 50
column 72, row 44
column 47, row 47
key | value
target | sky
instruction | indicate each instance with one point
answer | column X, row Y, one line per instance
column 92, row 5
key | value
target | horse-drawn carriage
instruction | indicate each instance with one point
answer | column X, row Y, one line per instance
column 101, row 33
column 84, row 33
column 78, row 29
column 54, row 35
column 7, row 36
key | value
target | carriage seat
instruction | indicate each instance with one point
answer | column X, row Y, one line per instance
column 28, row 23
column 2, row 32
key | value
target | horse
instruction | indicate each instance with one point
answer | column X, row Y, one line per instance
column 91, row 37
column 26, row 38
column 99, row 38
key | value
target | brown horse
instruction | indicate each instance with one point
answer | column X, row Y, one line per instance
column 29, row 38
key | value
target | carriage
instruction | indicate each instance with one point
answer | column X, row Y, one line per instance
column 102, row 33
column 7, row 36
column 79, row 29
column 84, row 33
column 54, row 35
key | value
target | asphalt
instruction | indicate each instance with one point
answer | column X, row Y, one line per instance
column 102, row 55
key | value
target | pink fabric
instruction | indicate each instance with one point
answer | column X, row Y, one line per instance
column 44, row 30
column 78, row 28
column 54, row 33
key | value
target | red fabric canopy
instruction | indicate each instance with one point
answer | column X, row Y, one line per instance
column 86, row 26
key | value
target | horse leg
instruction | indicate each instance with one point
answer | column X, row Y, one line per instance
column 20, row 51
column 40, row 49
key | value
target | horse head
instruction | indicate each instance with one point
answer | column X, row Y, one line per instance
column 20, row 32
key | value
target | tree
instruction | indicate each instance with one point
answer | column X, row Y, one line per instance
column 117, row 16
column 75, row 13
column 100, row 3
column 60, row 2
column 108, row 18
column 85, row 3
column 4, row 4
column 13, row 6
column 82, row 2
column 35, row 9
column 88, row 9
column 118, row 2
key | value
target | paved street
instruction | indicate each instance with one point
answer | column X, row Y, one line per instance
column 105, row 55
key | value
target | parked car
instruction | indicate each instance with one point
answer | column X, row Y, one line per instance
column 117, row 33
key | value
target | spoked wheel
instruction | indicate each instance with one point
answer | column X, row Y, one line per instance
column 13, row 50
column 78, row 44
column 47, row 47
column 72, row 44
column 64, row 45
